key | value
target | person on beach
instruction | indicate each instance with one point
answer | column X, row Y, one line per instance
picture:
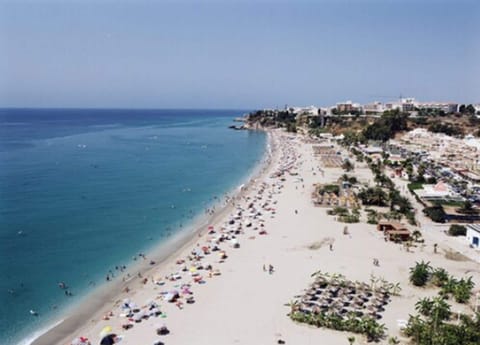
column 270, row 269
column 331, row 247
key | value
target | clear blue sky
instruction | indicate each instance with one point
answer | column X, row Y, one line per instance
column 236, row 54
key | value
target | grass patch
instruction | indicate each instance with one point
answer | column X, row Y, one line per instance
column 415, row 185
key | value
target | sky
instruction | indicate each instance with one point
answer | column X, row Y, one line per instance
column 236, row 54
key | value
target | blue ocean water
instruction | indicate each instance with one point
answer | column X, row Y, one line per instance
column 82, row 191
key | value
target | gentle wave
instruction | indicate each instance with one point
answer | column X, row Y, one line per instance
column 37, row 334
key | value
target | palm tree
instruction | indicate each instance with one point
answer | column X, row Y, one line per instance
column 449, row 285
column 415, row 328
column 393, row 341
column 462, row 291
column 395, row 289
column 440, row 310
column 416, row 235
column 351, row 340
column 372, row 329
column 373, row 280
column 424, row 306
column 294, row 306
column 420, row 273
column 439, row 276
column 347, row 165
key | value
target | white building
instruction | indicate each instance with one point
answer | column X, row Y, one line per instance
column 408, row 104
column 404, row 104
column 438, row 191
column 473, row 235
column 310, row 110
column 374, row 108
column 447, row 107
column 348, row 106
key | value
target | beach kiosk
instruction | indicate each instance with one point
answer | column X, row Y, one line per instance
column 394, row 230
column 473, row 235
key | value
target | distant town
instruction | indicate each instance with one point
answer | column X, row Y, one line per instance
column 434, row 147
column 409, row 105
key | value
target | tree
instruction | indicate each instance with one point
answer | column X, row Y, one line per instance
column 398, row 202
column 467, row 208
column 420, row 172
column 463, row 290
column 372, row 329
column 424, row 306
column 351, row 340
column 387, row 126
column 433, row 332
column 447, row 128
column 439, row 277
column 373, row 196
column 393, row 341
column 352, row 138
column 435, row 213
column 347, row 165
column 440, row 310
column 470, row 109
column 291, row 127
column 417, row 235
column 420, row 273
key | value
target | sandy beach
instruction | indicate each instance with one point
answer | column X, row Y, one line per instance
column 231, row 282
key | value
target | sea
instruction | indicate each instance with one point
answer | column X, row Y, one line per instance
column 83, row 191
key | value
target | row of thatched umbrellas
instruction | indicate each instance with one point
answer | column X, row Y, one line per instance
column 343, row 298
column 332, row 198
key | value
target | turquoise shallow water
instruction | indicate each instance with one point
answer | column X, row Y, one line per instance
column 82, row 191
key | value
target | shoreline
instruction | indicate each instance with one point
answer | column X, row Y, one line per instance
column 246, row 303
column 98, row 302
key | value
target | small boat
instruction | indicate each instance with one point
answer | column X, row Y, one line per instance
column 33, row 312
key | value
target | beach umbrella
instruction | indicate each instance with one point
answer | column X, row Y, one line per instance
column 80, row 341
column 105, row 331
column 108, row 339
column 154, row 311
column 139, row 316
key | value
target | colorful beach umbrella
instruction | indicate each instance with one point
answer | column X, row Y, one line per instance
column 80, row 341
column 106, row 331
column 108, row 339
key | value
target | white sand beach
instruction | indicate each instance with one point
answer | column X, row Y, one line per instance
column 235, row 299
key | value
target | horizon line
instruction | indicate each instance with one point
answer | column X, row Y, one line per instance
column 114, row 108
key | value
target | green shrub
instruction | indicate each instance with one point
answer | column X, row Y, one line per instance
column 420, row 273
column 435, row 213
column 457, row 230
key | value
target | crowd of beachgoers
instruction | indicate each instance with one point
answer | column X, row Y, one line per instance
column 248, row 211
column 232, row 282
